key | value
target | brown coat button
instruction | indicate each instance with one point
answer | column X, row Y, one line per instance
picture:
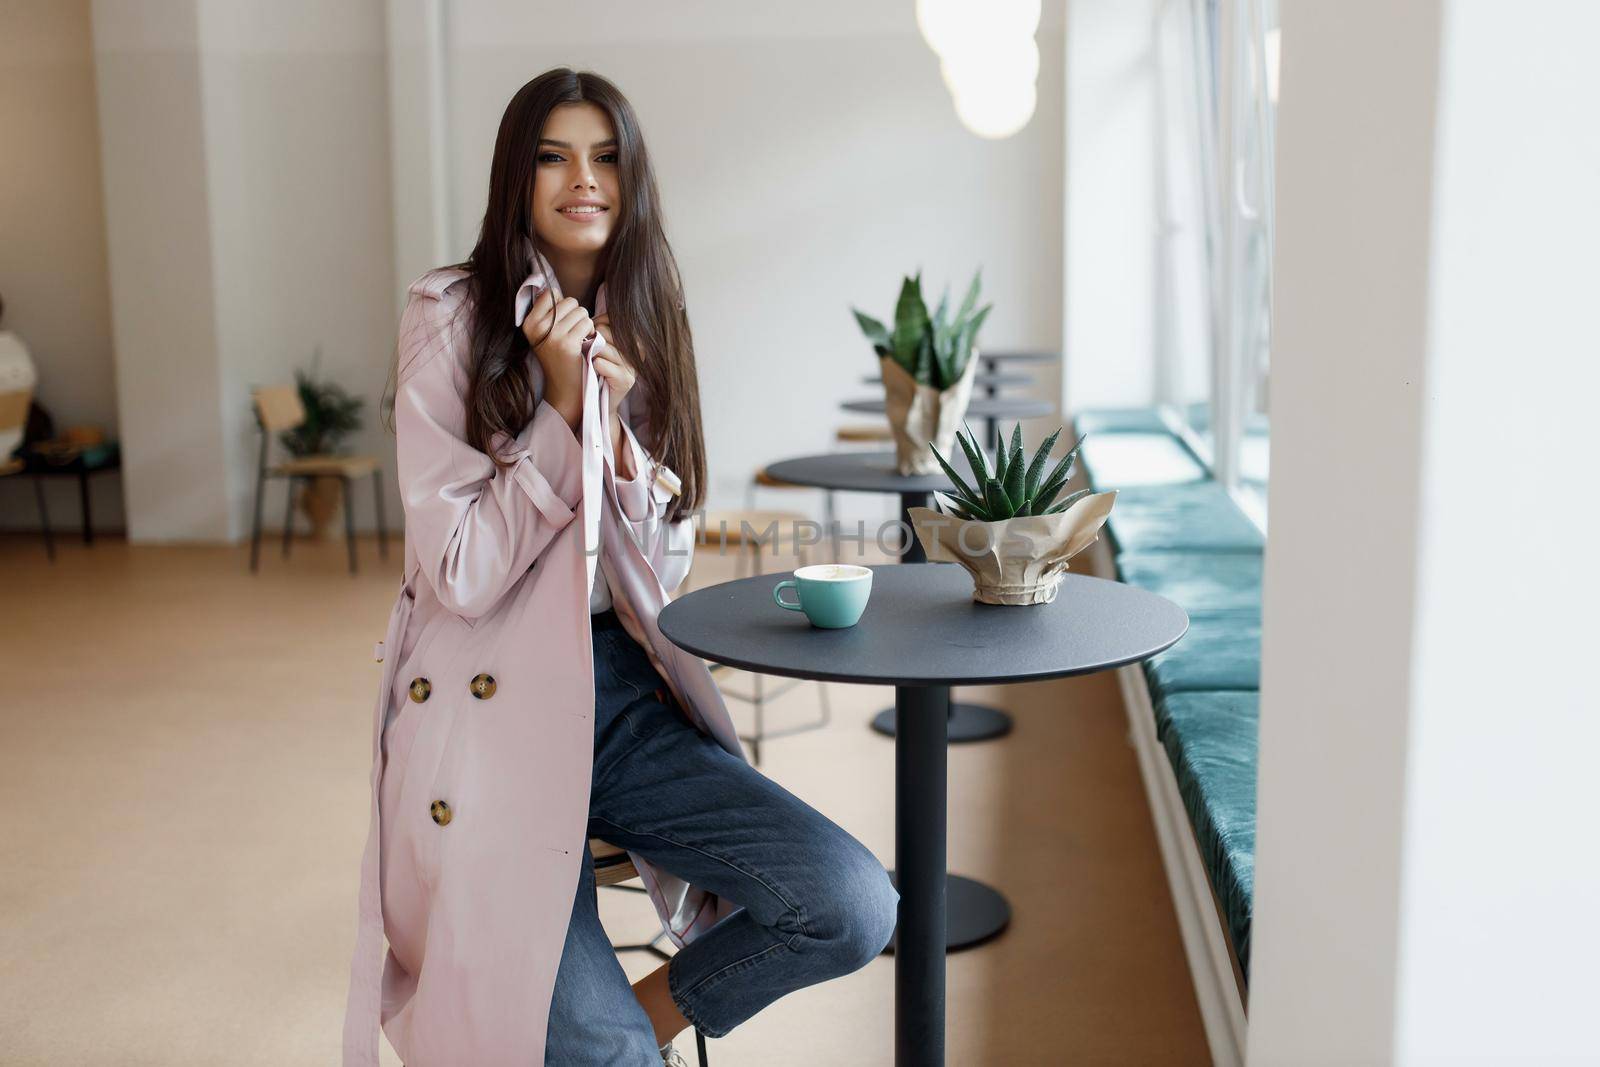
column 483, row 686
column 421, row 689
column 440, row 812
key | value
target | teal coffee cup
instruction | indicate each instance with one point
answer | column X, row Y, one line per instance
column 833, row 595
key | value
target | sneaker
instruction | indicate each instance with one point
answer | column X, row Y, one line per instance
column 672, row 1057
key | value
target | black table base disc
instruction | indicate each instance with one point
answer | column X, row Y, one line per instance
column 968, row 722
column 975, row 913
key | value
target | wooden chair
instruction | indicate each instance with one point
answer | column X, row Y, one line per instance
column 748, row 532
column 278, row 408
column 13, row 416
column 613, row 867
column 863, row 434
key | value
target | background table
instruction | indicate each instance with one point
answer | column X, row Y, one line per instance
column 922, row 633
column 874, row 472
column 991, row 409
column 106, row 459
column 987, row 381
column 995, row 359
column 979, row 407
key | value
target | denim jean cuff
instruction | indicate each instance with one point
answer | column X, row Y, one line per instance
column 684, row 1007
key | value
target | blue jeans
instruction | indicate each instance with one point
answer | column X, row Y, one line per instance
column 814, row 903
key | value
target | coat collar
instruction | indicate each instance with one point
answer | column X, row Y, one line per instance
column 540, row 275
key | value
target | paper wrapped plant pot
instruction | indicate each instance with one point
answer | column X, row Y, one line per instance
column 1018, row 560
column 920, row 414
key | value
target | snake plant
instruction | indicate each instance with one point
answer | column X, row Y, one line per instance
column 932, row 350
column 1013, row 488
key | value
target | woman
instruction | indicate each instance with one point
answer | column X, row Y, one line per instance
column 549, row 460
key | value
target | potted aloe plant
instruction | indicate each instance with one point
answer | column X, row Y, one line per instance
column 332, row 414
column 1007, row 527
column 927, row 363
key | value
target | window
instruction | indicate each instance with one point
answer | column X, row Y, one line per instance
column 1216, row 104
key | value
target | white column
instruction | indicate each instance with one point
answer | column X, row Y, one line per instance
column 158, row 236
column 1500, row 904
column 419, row 137
column 1426, row 866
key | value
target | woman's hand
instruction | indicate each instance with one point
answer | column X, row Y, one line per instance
column 556, row 330
column 613, row 366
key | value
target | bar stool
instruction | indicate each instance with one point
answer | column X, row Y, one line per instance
column 613, row 867
column 748, row 532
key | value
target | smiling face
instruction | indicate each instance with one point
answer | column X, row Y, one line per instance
column 575, row 184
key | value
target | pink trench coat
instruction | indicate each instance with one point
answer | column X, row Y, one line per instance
column 491, row 613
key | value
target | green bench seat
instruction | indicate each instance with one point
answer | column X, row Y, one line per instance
column 1222, row 650
column 1181, row 518
column 1218, row 583
column 1210, row 739
column 1140, row 459
column 1188, row 541
column 1120, row 420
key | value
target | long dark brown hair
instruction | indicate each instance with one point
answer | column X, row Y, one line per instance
column 644, row 292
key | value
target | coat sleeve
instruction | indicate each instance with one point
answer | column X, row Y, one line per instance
column 476, row 528
column 645, row 499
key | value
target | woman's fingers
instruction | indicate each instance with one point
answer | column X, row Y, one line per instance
column 617, row 374
column 575, row 320
column 536, row 326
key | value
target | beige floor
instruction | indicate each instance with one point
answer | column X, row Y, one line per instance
column 183, row 762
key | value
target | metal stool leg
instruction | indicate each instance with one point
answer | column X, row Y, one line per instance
column 288, row 517
column 349, row 521
column 255, row 524
column 44, row 519
column 83, row 504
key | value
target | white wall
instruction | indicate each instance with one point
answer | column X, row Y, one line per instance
column 275, row 174
column 1426, row 873
column 53, row 255
column 297, row 154
column 807, row 159
column 248, row 210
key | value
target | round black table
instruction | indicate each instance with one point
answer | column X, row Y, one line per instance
column 987, row 381
column 994, row 359
column 991, row 409
column 874, row 472
column 979, row 407
column 922, row 633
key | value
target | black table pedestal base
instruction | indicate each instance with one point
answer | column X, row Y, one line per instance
column 974, row 913
column 968, row 722
column 921, row 788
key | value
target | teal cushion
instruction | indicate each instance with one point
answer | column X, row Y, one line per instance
column 1120, row 420
column 1221, row 650
column 1199, row 582
column 1121, row 460
column 1180, row 518
column 1210, row 739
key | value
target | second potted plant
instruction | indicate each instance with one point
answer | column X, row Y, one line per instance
column 927, row 363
